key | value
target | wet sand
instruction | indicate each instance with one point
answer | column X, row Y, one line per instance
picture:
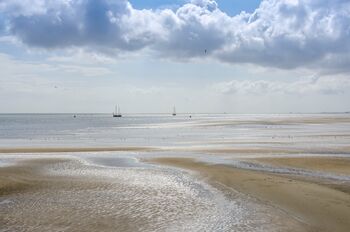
column 304, row 205
column 33, row 199
column 321, row 207
column 72, row 149
column 338, row 165
column 328, row 165
column 29, row 184
column 200, row 148
column 285, row 120
column 60, row 194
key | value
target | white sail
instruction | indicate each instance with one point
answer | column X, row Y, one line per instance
column 116, row 112
column 116, row 109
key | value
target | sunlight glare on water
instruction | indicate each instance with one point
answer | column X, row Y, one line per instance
column 130, row 199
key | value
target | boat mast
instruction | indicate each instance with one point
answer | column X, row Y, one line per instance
column 116, row 112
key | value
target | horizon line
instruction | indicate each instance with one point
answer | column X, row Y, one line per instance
column 181, row 113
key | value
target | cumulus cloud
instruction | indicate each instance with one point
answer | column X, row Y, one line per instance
column 280, row 33
column 288, row 34
column 309, row 85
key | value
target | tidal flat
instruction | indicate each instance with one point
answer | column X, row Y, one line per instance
column 160, row 173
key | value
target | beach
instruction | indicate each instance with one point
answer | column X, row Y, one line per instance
column 321, row 207
column 210, row 173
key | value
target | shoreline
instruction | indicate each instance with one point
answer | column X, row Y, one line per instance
column 337, row 165
column 23, row 150
column 322, row 207
column 202, row 149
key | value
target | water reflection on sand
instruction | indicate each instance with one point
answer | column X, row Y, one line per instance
column 156, row 173
column 74, row 194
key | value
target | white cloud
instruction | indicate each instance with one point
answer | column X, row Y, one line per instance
column 327, row 85
column 280, row 33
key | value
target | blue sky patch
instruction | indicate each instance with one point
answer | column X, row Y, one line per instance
column 231, row 7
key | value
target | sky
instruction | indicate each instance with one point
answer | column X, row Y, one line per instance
column 203, row 56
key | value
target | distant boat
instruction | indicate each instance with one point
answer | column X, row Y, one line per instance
column 174, row 111
column 116, row 113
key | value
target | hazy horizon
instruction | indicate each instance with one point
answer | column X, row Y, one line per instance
column 179, row 113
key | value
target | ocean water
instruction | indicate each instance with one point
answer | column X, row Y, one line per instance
column 94, row 130
column 89, row 130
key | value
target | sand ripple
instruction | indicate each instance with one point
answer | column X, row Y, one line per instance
column 74, row 196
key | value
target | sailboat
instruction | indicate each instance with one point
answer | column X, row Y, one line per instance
column 174, row 111
column 116, row 112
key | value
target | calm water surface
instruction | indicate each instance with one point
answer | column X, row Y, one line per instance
column 63, row 130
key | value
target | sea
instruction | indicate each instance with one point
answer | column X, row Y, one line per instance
column 96, row 130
